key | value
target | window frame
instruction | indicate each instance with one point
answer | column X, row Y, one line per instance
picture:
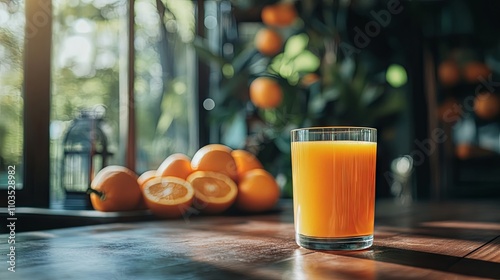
column 36, row 111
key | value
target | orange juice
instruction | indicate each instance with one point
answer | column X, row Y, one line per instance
column 334, row 188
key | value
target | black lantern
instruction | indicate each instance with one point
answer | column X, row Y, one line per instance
column 85, row 152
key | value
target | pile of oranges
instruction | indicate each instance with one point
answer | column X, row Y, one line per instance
column 213, row 180
column 450, row 72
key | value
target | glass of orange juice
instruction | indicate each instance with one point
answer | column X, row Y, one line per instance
column 333, row 170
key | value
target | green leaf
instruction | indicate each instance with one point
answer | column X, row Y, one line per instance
column 306, row 61
column 203, row 51
column 276, row 63
column 393, row 104
column 371, row 94
column 316, row 104
column 282, row 142
column 258, row 68
column 331, row 94
column 296, row 44
column 243, row 59
column 347, row 69
column 396, row 75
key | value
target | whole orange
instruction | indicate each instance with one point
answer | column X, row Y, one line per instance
column 449, row 73
column 177, row 165
column 309, row 79
column 450, row 110
column 257, row 191
column 265, row 93
column 245, row 161
column 463, row 151
column 281, row 14
column 217, row 158
column 487, row 106
column 268, row 41
column 475, row 70
column 115, row 188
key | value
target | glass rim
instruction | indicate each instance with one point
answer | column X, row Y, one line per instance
column 333, row 128
column 334, row 133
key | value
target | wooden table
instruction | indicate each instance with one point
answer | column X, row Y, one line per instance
column 452, row 240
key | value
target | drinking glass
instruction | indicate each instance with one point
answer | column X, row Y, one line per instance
column 333, row 170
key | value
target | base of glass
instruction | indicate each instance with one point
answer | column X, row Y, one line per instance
column 331, row 243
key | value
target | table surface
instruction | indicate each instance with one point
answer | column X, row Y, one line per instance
column 425, row 240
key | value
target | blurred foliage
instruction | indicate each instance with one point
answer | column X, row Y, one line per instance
column 163, row 79
column 11, row 79
column 86, row 62
column 325, row 79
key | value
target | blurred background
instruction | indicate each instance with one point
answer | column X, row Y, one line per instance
column 149, row 78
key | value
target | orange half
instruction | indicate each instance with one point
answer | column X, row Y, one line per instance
column 213, row 192
column 168, row 197
column 146, row 177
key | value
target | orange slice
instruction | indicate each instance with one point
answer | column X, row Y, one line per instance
column 213, row 192
column 168, row 197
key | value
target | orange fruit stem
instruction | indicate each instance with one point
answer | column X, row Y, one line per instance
column 101, row 195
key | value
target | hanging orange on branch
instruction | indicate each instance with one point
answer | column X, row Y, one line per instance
column 268, row 41
column 281, row 14
column 449, row 73
column 265, row 93
column 474, row 71
column 487, row 105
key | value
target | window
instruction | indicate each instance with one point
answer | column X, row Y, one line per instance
column 164, row 81
column 76, row 60
column 88, row 62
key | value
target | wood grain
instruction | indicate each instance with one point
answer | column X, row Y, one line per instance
column 409, row 244
column 484, row 262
